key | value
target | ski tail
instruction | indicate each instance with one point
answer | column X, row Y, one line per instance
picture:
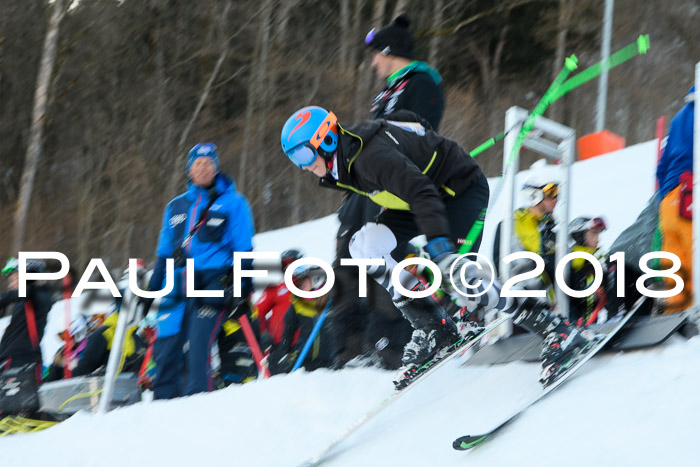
column 464, row 443
column 467, row 442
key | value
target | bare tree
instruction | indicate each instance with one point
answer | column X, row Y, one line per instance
column 37, row 129
column 365, row 79
column 345, row 37
column 255, row 89
column 438, row 10
column 566, row 8
column 175, row 174
column 399, row 8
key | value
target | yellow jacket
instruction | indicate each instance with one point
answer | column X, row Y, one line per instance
column 534, row 232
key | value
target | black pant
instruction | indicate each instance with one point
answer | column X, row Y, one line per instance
column 362, row 325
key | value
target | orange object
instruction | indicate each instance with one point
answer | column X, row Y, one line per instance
column 677, row 238
column 598, row 143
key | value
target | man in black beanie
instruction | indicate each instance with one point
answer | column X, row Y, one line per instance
column 410, row 84
column 373, row 326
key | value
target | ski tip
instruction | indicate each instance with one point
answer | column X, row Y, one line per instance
column 464, row 443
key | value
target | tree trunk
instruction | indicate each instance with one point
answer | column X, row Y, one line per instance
column 262, row 93
column 346, row 38
column 248, row 178
column 176, row 172
column 279, row 42
column 399, row 8
column 489, row 69
column 37, row 129
column 366, row 80
column 438, row 10
column 564, row 16
column 359, row 107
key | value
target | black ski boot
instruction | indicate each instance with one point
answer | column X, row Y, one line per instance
column 561, row 339
column 433, row 331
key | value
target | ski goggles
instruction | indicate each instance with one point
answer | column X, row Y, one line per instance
column 370, row 36
column 550, row 190
column 11, row 266
column 597, row 223
column 305, row 154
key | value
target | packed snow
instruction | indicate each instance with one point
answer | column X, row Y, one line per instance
column 634, row 408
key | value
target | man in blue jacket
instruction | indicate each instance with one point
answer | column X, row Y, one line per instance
column 208, row 223
column 674, row 174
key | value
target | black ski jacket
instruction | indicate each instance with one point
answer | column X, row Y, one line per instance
column 416, row 91
column 404, row 166
column 16, row 343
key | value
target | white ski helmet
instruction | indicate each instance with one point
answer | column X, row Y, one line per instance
column 579, row 226
column 535, row 189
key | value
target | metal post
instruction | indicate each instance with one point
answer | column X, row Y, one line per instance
column 510, row 168
column 605, row 53
column 115, row 354
column 696, row 194
column 568, row 151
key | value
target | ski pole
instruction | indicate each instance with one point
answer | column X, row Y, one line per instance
column 639, row 47
column 254, row 346
column 67, row 315
column 569, row 65
column 312, row 336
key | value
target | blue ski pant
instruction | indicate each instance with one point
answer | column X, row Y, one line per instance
column 183, row 361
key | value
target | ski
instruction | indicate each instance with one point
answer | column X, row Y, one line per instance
column 462, row 347
column 467, row 442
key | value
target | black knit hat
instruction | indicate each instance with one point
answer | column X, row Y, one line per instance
column 394, row 39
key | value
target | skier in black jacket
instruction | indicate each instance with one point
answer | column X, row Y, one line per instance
column 374, row 325
column 430, row 186
column 410, row 84
column 20, row 342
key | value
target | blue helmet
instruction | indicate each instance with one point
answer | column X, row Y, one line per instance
column 308, row 132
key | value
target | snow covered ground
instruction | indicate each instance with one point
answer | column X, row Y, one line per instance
column 637, row 408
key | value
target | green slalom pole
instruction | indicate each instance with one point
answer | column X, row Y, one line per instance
column 570, row 64
column 639, row 47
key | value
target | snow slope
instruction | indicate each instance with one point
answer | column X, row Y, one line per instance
column 638, row 408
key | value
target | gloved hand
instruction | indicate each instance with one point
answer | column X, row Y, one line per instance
column 438, row 248
column 443, row 253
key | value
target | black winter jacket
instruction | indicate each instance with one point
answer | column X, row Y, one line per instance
column 16, row 343
column 416, row 91
column 403, row 165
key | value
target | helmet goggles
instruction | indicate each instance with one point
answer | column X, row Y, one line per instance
column 370, row 36
column 550, row 190
column 305, row 154
column 597, row 223
column 10, row 267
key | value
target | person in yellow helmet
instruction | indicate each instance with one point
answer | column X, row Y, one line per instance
column 533, row 231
